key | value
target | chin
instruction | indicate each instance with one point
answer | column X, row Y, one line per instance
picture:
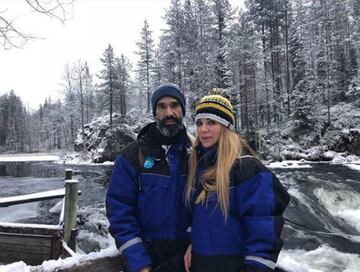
column 207, row 145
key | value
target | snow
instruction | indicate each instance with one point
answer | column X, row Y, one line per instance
column 57, row 208
column 28, row 157
column 36, row 226
column 55, row 265
column 322, row 259
column 354, row 166
column 289, row 164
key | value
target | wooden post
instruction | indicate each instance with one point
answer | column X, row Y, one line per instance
column 68, row 174
column 70, row 214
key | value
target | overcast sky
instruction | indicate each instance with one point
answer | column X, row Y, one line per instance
column 35, row 72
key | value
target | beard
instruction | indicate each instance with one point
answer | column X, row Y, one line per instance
column 169, row 130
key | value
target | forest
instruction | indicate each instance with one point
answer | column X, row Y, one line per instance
column 283, row 62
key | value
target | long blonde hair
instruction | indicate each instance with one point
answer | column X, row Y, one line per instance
column 230, row 146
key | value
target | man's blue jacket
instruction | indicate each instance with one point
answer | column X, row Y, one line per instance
column 145, row 204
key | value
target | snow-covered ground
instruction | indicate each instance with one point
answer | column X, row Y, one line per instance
column 60, row 264
column 291, row 260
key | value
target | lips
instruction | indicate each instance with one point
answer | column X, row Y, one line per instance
column 206, row 138
column 169, row 120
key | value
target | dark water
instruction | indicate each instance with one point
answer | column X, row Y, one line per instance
column 323, row 200
column 18, row 178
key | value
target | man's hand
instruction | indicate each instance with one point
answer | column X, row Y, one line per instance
column 146, row 269
column 187, row 258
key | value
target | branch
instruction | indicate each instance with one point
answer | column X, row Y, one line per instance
column 10, row 36
column 52, row 8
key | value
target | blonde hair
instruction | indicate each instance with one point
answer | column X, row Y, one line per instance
column 230, row 146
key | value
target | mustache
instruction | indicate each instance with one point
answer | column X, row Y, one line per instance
column 170, row 118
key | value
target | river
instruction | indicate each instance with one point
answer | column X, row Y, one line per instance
column 322, row 229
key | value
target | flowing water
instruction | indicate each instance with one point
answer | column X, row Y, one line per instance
column 322, row 229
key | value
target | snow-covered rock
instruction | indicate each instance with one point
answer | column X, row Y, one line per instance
column 101, row 143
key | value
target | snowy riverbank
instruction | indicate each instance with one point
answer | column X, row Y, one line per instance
column 93, row 234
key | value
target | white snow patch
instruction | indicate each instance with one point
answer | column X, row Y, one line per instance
column 354, row 166
column 289, row 164
column 29, row 226
column 55, row 265
column 57, row 208
column 27, row 157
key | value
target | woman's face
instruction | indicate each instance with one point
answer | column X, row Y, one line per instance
column 208, row 131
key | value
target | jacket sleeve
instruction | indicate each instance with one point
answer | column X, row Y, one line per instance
column 121, row 202
column 261, row 200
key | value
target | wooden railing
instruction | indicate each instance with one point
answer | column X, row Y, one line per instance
column 34, row 243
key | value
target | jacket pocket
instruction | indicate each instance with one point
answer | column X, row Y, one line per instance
column 153, row 201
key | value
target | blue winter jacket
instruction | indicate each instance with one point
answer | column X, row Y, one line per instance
column 250, row 238
column 145, row 204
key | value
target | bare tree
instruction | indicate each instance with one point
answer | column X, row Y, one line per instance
column 11, row 36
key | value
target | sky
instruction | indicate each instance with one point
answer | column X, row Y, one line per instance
column 35, row 71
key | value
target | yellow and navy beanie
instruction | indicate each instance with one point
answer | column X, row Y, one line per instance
column 217, row 108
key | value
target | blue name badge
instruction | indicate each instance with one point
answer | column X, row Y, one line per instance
column 149, row 162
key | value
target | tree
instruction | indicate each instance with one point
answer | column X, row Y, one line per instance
column 81, row 70
column 221, row 11
column 122, row 69
column 146, row 62
column 11, row 36
column 172, row 42
column 108, row 76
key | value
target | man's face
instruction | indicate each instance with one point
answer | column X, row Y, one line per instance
column 169, row 116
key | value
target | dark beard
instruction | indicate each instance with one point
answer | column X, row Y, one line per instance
column 169, row 130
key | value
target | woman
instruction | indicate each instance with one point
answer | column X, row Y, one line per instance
column 236, row 202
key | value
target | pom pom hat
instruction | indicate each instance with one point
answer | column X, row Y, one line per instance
column 217, row 108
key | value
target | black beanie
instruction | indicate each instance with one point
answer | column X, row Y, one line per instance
column 168, row 89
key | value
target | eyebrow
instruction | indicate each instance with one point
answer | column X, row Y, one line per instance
column 172, row 103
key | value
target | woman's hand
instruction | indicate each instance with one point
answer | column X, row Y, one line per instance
column 187, row 258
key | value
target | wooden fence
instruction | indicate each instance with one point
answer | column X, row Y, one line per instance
column 34, row 243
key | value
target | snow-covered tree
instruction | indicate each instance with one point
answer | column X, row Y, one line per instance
column 145, row 64
column 108, row 76
column 122, row 69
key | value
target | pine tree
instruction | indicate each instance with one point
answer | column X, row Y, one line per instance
column 172, row 42
column 123, row 68
column 222, row 71
column 108, row 75
column 146, row 62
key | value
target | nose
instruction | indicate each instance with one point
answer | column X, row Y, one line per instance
column 203, row 128
column 169, row 111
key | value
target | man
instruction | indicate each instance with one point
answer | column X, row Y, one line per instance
column 145, row 207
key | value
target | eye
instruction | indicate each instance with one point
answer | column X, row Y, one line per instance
column 174, row 105
column 161, row 106
column 211, row 122
column 198, row 123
